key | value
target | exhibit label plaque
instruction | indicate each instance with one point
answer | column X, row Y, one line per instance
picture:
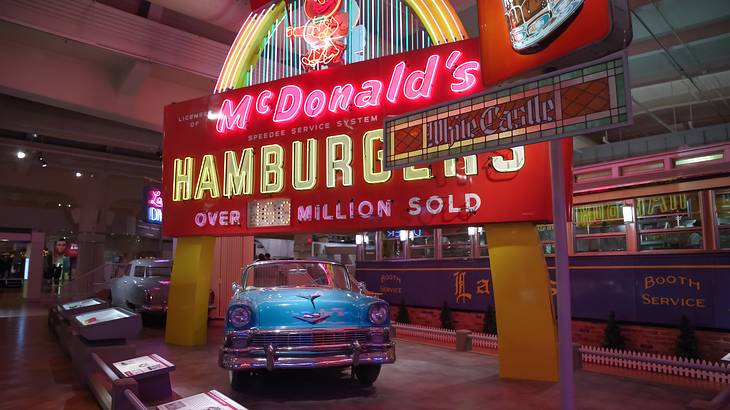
column 210, row 400
column 141, row 365
column 80, row 304
column 100, row 316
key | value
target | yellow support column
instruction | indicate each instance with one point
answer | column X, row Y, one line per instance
column 523, row 303
column 187, row 304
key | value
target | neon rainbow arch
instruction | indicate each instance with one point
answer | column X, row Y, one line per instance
column 437, row 16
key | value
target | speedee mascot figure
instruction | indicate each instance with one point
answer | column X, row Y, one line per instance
column 324, row 33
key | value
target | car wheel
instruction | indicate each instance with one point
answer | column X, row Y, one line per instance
column 367, row 374
column 239, row 379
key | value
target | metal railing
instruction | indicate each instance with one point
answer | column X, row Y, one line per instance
column 86, row 284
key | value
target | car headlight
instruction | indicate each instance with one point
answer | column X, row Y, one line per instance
column 240, row 316
column 378, row 313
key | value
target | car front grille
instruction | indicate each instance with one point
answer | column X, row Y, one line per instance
column 310, row 339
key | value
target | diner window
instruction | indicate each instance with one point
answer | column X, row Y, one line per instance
column 482, row 239
column 366, row 241
column 599, row 227
column 421, row 241
column 671, row 221
column 393, row 245
column 722, row 206
column 546, row 233
column 455, row 242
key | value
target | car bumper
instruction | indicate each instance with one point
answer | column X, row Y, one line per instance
column 340, row 355
column 153, row 309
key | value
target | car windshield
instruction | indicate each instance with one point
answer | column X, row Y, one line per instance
column 297, row 274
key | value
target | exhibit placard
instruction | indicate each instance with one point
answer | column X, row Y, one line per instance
column 203, row 401
column 141, row 365
column 100, row 316
column 584, row 99
column 80, row 304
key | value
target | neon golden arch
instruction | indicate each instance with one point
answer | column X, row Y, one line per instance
column 437, row 16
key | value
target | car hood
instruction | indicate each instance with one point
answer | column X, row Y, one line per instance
column 283, row 308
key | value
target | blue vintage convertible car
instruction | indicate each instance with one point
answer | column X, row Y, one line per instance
column 304, row 314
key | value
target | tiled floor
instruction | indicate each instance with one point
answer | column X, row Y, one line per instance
column 35, row 374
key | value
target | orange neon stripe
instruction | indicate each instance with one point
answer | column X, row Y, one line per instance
column 240, row 52
column 257, row 27
column 234, row 47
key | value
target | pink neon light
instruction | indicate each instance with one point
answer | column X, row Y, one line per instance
column 315, row 103
column 395, row 81
column 292, row 100
column 293, row 94
column 369, row 98
column 419, row 80
column 341, row 97
column 262, row 102
column 230, row 118
column 463, row 73
column 155, row 198
column 453, row 58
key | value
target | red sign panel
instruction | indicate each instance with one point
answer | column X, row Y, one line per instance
column 304, row 154
column 523, row 37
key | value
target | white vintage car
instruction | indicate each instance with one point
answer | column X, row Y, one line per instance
column 145, row 286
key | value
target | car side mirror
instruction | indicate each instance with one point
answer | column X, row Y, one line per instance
column 361, row 287
column 236, row 287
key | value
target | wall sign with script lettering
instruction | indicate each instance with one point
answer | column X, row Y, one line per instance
column 656, row 289
column 578, row 100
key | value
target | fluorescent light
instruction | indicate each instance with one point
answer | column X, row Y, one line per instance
column 403, row 235
column 20, row 154
column 628, row 214
column 358, row 239
column 365, row 239
column 472, row 230
column 697, row 160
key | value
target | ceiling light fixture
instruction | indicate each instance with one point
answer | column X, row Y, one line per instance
column 78, row 174
column 20, row 154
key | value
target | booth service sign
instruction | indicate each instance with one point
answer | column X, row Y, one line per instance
column 305, row 153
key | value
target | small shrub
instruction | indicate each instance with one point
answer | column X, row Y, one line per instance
column 612, row 337
column 403, row 313
column 446, row 320
column 490, row 321
column 687, row 340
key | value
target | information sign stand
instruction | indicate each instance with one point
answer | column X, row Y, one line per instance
column 104, row 332
column 152, row 373
column 60, row 316
column 212, row 399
